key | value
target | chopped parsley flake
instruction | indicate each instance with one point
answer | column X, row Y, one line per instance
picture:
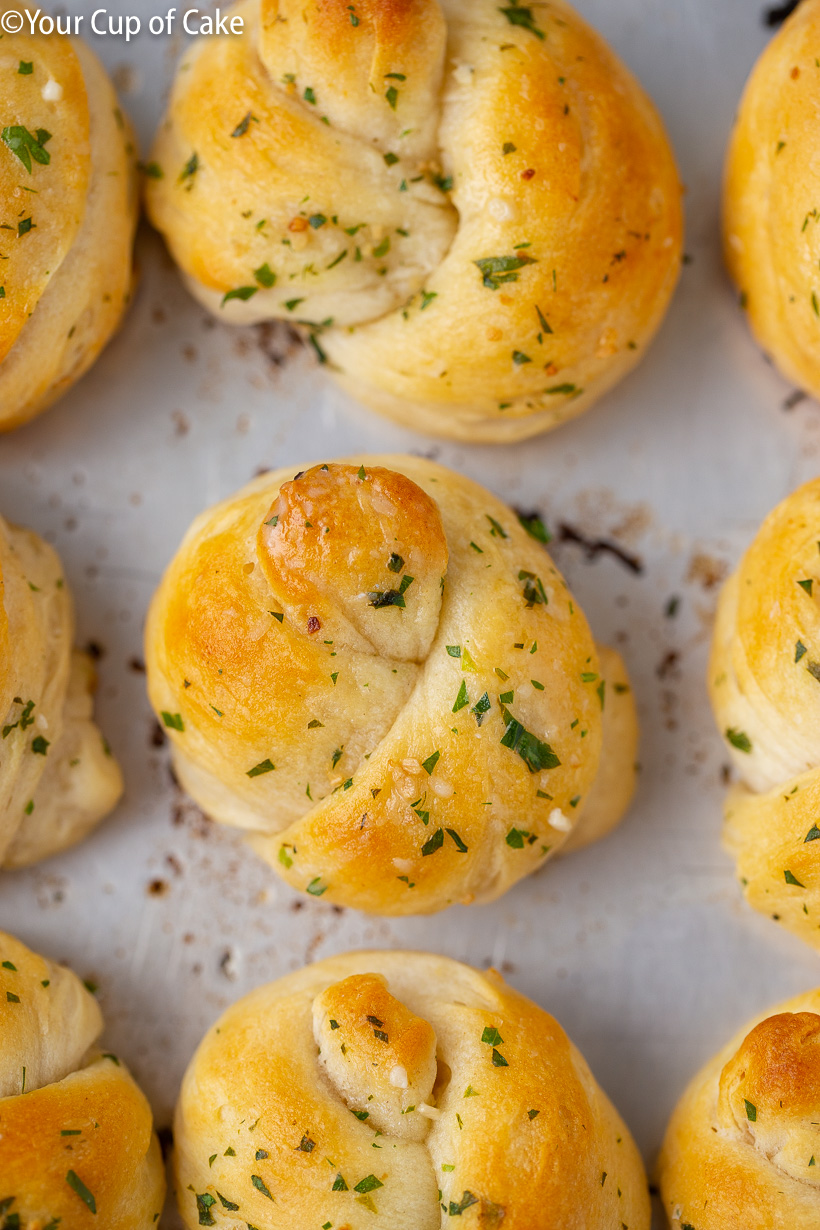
column 535, row 754
column 260, row 1186
column 368, row 1184
column 239, row 292
column 172, row 720
column 76, row 1184
column 457, row 1208
column 462, row 699
column 535, row 527
column 533, row 590
column 203, row 1208
column 434, row 843
column 264, row 766
column 379, row 598
column 792, row 879
column 189, row 170
column 519, row 15
column 751, row 1111
column 265, row 276
column 430, row 763
column 739, row 739
column 543, row 322
column 316, row 888
column 496, row 270
column 25, row 145
column 467, row 663
column 244, row 124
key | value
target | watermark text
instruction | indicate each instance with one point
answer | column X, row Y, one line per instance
column 121, row 25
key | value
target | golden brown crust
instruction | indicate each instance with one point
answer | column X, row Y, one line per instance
column 764, row 680
column 76, row 1139
column 319, row 567
column 415, row 720
column 742, row 1150
column 378, row 1054
column 771, row 236
column 483, row 239
column 61, row 185
column 517, row 1131
column 66, row 246
column 57, row 776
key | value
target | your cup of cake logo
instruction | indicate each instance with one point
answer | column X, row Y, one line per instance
column 103, row 22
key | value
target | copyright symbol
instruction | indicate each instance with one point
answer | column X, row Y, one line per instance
column 12, row 21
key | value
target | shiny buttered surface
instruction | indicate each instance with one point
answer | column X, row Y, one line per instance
column 771, row 232
column 764, row 680
column 472, row 208
column 375, row 670
column 57, row 775
column 399, row 1090
column 69, row 203
column 77, row 1147
column 742, row 1150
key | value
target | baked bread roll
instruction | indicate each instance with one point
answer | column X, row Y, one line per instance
column 57, row 775
column 471, row 209
column 771, row 233
column 742, row 1149
column 76, row 1137
column 398, row 1090
column 67, row 184
column 764, row 680
column 376, row 672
